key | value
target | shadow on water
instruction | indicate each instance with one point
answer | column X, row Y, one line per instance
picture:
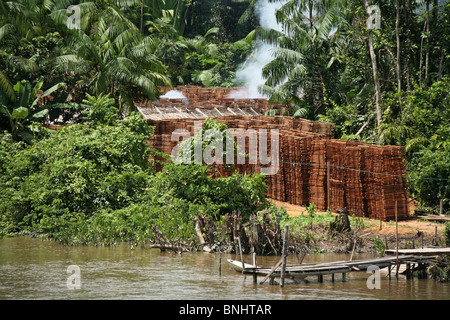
column 37, row 269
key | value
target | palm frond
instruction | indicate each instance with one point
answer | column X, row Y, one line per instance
column 7, row 87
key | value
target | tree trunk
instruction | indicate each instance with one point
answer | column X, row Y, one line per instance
column 176, row 14
column 376, row 81
column 397, row 35
column 421, row 52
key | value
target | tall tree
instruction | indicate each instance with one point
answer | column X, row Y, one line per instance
column 115, row 59
column 373, row 60
column 304, row 54
column 397, row 38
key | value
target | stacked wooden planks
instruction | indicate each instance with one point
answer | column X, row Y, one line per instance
column 353, row 187
column 318, row 175
column 388, row 181
column 368, row 180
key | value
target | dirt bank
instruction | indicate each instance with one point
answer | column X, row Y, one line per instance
column 372, row 235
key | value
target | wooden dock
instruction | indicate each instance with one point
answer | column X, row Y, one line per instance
column 412, row 259
column 428, row 251
column 328, row 268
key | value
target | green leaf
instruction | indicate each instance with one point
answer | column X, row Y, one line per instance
column 20, row 113
column 23, row 89
column 39, row 115
column 48, row 92
column 37, row 87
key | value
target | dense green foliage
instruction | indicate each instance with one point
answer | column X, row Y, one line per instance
column 388, row 85
column 92, row 182
column 95, row 184
column 124, row 48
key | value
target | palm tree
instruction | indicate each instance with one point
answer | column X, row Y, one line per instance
column 116, row 59
column 304, row 54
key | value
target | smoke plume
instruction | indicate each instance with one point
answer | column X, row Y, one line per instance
column 251, row 71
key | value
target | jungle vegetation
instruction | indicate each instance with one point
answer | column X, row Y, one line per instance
column 84, row 63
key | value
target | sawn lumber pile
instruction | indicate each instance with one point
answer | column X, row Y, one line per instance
column 313, row 168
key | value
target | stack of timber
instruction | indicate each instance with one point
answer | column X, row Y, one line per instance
column 318, row 174
column 353, row 183
column 368, row 180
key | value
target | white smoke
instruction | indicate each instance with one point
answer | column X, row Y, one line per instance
column 251, row 71
column 174, row 94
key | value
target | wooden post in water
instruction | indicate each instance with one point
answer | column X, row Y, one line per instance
column 354, row 247
column 220, row 263
column 255, row 276
column 271, row 272
column 396, row 239
column 408, row 271
column 240, row 252
column 422, row 239
column 435, row 236
column 284, row 255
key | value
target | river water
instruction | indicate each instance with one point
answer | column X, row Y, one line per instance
column 38, row 269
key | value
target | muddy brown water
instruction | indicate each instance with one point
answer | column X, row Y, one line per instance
column 38, row 269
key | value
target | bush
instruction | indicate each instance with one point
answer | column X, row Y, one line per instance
column 192, row 183
column 76, row 169
column 94, row 184
column 428, row 166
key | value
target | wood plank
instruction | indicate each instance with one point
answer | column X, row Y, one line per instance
column 436, row 218
column 421, row 252
column 272, row 271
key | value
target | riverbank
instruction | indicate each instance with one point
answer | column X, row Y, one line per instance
column 370, row 236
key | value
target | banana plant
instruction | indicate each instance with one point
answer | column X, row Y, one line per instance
column 26, row 108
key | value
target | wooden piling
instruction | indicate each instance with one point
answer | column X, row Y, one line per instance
column 354, row 247
column 435, row 236
column 240, row 252
column 408, row 271
column 255, row 276
column 284, row 256
column 272, row 271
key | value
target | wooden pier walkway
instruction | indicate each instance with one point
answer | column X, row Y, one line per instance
column 327, row 268
column 410, row 258
column 428, row 251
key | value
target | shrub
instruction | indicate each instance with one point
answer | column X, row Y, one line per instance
column 94, row 184
column 76, row 169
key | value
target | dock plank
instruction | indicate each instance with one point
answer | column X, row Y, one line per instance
column 421, row 251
